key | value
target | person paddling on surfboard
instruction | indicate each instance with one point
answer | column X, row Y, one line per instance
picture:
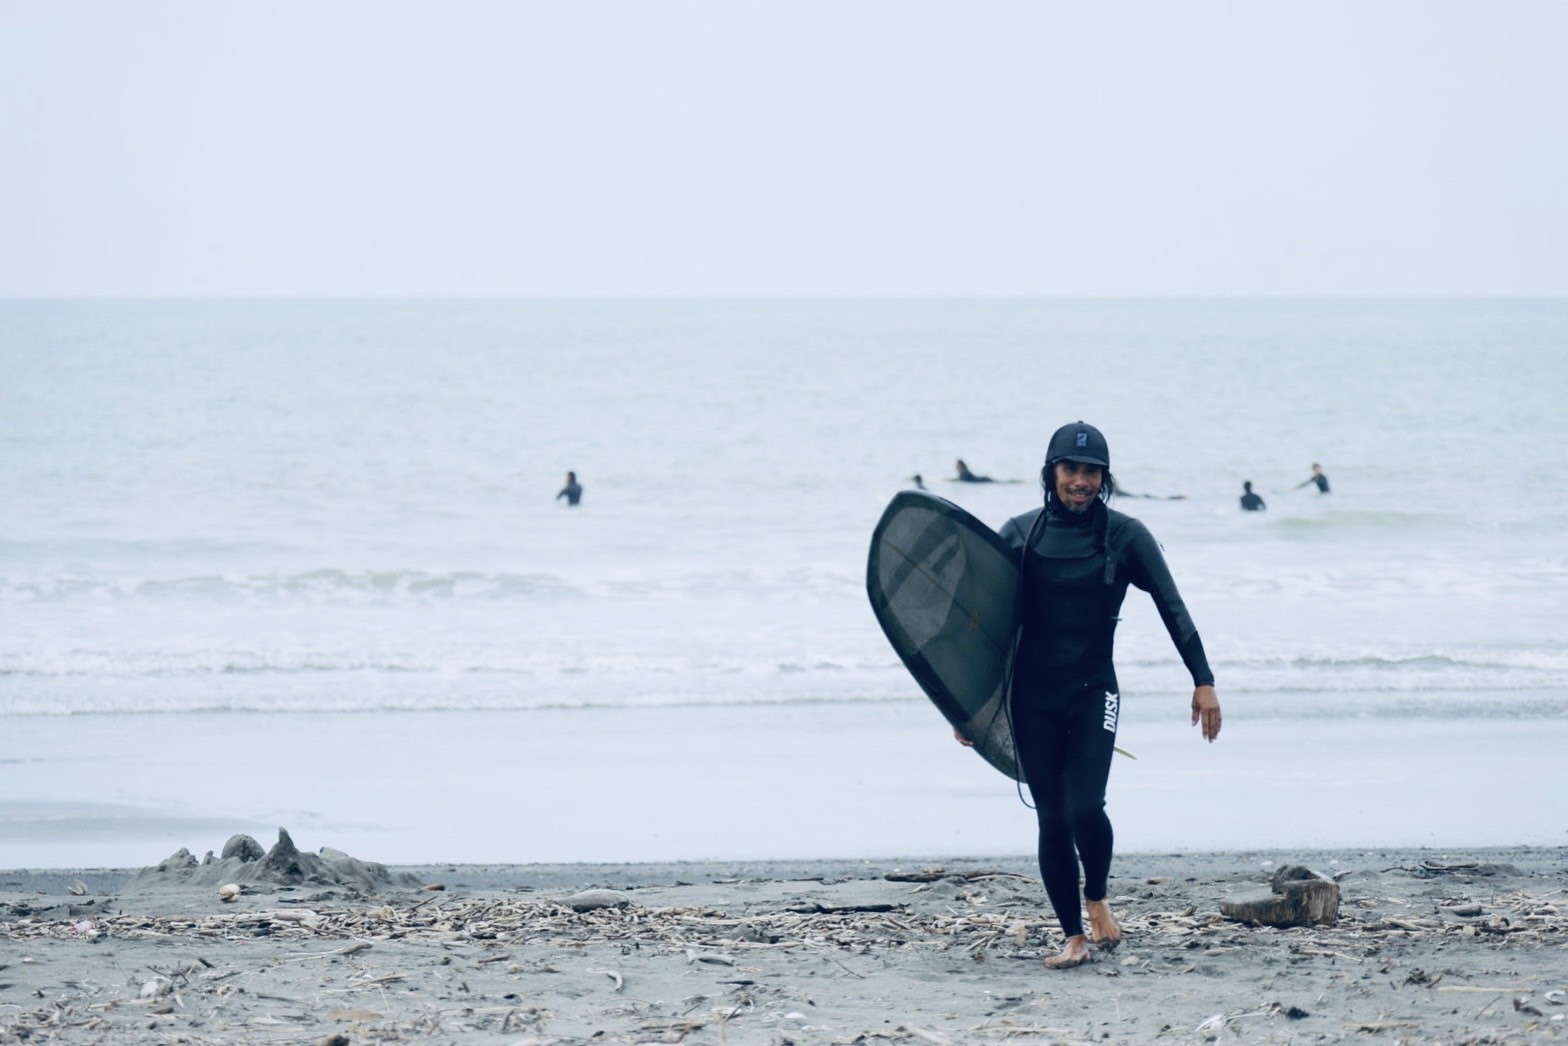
column 1078, row 557
column 966, row 476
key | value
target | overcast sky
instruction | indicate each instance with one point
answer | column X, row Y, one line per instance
column 694, row 148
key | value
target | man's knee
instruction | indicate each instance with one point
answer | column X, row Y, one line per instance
column 1054, row 818
column 1086, row 815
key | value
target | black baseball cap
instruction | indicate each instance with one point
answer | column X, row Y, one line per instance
column 1080, row 442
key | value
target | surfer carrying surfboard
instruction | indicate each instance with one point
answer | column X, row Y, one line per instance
column 1078, row 556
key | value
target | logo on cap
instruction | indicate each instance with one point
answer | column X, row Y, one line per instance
column 1081, row 440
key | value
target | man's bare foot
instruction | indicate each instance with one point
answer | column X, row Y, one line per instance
column 1074, row 953
column 1104, row 930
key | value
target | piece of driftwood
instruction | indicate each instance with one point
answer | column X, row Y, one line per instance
column 1300, row 898
column 593, row 900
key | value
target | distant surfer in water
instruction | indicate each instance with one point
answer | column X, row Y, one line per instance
column 1317, row 477
column 573, row 491
column 1251, row 502
column 1078, row 557
column 1122, row 492
column 965, row 476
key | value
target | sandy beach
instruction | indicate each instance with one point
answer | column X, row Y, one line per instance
column 1428, row 946
column 737, row 888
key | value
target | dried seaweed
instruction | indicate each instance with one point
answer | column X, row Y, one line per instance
column 490, row 931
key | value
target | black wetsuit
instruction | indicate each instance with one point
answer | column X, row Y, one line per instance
column 1065, row 700
column 572, row 492
column 1252, row 503
column 1317, row 478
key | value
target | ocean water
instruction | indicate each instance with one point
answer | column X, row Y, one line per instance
column 277, row 507
column 301, row 564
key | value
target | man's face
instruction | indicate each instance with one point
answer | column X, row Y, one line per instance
column 1077, row 484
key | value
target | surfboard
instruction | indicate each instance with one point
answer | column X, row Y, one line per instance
column 944, row 588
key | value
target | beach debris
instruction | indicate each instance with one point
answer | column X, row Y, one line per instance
column 229, row 892
column 1378, row 1027
column 77, row 888
column 711, row 935
column 593, row 900
column 1484, row 989
column 716, row 958
column 620, row 982
column 735, row 946
column 931, row 875
column 1291, row 873
column 928, row 875
column 818, row 908
column 1300, row 897
column 1433, row 869
column 1211, row 1028
column 156, row 988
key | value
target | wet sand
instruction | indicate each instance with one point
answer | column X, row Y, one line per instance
column 757, row 782
column 1430, row 946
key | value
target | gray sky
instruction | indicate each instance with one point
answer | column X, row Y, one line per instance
column 687, row 147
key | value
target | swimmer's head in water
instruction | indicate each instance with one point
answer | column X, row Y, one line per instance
column 1082, row 443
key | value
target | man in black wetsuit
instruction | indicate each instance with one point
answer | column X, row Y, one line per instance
column 1078, row 558
column 1316, row 477
column 965, row 476
column 1251, row 502
column 573, row 491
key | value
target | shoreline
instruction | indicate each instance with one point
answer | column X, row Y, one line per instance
column 558, row 875
column 1448, row 944
column 744, row 783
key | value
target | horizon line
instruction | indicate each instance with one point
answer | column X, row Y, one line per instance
column 652, row 298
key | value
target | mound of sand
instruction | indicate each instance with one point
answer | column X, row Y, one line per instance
column 246, row 864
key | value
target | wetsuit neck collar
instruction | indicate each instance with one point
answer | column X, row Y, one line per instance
column 1060, row 516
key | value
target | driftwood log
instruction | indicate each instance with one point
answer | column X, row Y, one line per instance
column 1300, row 897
